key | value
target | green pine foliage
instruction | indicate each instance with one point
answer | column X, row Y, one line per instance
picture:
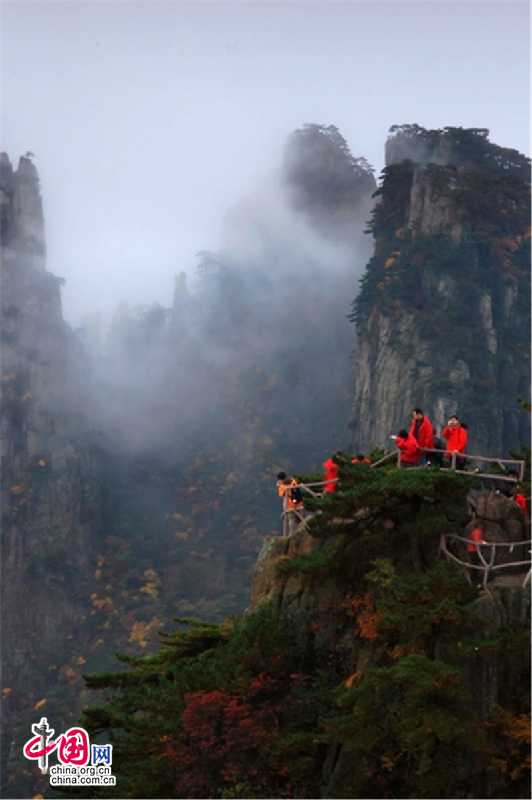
column 319, row 560
column 407, row 719
column 406, row 728
column 319, row 164
column 407, row 498
column 219, row 711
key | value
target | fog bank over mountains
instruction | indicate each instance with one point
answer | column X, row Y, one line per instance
column 151, row 120
column 276, row 297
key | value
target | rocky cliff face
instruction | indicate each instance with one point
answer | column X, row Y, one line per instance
column 443, row 317
column 51, row 515
column 309, row 595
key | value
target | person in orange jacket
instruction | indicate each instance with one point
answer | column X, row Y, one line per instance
column 293, row 511
column 407, row 444
column 330, row 468
column 423, row 432
column 360, row 459
column 456, row 437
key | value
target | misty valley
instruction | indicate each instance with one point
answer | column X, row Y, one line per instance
column 139, row 468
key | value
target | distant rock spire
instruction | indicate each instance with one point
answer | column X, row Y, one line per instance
column 22, row 211
column 29, row 217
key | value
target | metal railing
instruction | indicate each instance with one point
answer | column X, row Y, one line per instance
column 292, row 517
column 489, row 564
column 453, row 457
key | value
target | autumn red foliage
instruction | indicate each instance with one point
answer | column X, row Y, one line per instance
column 224, row 742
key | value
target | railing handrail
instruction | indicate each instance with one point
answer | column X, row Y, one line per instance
column 486, row 544
column 308, row 487
column 453, row 454
column 385, row 458
column 484, row 565
column 518, row 462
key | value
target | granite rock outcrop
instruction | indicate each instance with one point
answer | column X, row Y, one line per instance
column 443, row 316
column 51, row 507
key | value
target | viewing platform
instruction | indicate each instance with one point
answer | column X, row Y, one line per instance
column 500, row 562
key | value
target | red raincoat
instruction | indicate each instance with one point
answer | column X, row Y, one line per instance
column 425, row 435
column 331, row 475
column 520, row 499
column 409, row 449
column 475, row 537
column 456, row 439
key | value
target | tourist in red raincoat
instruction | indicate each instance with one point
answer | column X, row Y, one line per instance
column 409, row 448
column 331, row 473
column 423, row 432
column 476, row 538
column 456, row 437
column 520, row 499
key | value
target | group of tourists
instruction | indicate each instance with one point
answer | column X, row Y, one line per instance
column 415, row 446
column 415, row 443
column 418, row 447
column 292, row 496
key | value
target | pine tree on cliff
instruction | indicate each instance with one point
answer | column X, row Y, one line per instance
column 326, row 180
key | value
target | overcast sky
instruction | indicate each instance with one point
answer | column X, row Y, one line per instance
column 150, row 120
